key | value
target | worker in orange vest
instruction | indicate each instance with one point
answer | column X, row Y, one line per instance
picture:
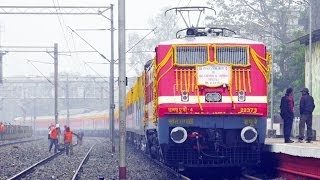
column 2, row 130
column 50, row 128
column 54, row 138
column 67, row 137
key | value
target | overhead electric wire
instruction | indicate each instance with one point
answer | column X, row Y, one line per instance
column 39, row 62
column 95, row 72
column 153, row 30
column 82, row 65
column 89, row 44
column 175, row 22
column 40, row 72
column 59, row 18
column 63, row 25
column 141, row 40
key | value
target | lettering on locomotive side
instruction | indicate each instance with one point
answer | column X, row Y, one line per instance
column 250, row 122
column 183, row 109
column 180, row 121
column 249, row 110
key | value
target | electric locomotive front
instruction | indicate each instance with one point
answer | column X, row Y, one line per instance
column 210, row 100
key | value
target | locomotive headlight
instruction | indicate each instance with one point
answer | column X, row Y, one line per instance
column 213, row 97
column 184, row 96
column 178, row 135
column 249, row 134
column 241, row 96
column 191, row 31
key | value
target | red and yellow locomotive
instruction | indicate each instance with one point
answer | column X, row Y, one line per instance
column 204, row 102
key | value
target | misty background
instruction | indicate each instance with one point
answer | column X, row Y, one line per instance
column 27, row 88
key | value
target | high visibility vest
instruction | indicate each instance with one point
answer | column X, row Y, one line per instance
column 68, row 136
column 51, row 128
column 2, row 128
column 54, row 133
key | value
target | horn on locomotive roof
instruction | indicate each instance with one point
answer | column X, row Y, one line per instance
column 187, row 10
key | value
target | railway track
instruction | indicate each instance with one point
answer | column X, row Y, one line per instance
column 84, row 160
column 163, row 166
column 32, row 167
column 172, row 171
column 38, row 165
column 19, row 142
column 249, row 177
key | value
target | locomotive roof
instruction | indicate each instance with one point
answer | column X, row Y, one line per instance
column 210, row 40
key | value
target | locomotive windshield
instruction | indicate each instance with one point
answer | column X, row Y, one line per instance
column 191, row 55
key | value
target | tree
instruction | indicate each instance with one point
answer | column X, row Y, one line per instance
column 267, row 21
column 164, row 28
column 139, row 57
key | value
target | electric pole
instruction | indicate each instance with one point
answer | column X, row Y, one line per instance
column 1, row 69
column 111, row 83
column 122, row 89
column 55, row 56
column 67, row 97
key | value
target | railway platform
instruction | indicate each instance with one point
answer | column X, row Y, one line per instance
column 292, row 160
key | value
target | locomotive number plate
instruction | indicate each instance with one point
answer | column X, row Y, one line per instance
column 248, row 110
column 180, row 121
column 250, row 122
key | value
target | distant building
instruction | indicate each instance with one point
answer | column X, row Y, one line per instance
column 315, row 82
column 34, row 96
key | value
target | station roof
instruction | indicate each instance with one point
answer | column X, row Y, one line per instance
column 305, row 39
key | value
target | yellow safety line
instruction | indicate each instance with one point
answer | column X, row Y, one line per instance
column 198, row 94
column 185, row 79
column 249, row 80
column 193, row 78
column 165, row 60
column 180, row 80
column 176, row 73
column 189, row 80
column 155, row 84
column 244, row 80
column 165, row 72
column 265, row 70
column 235, row 79
column 155, row 95
column 239, row 78
column 215, row 54
column 230, row 90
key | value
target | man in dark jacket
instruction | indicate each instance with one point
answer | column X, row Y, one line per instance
column 306, row 108
column 286, row 108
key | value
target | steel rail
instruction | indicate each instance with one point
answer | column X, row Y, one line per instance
column 84, row 160
column 167, row 168
column 18, row 142
column 172, row 171
column 30, row 168
column 246, row 176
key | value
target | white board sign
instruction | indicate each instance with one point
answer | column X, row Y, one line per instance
column 213, row 75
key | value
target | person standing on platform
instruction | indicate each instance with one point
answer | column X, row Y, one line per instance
column 286, row 113
column 306, row 108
